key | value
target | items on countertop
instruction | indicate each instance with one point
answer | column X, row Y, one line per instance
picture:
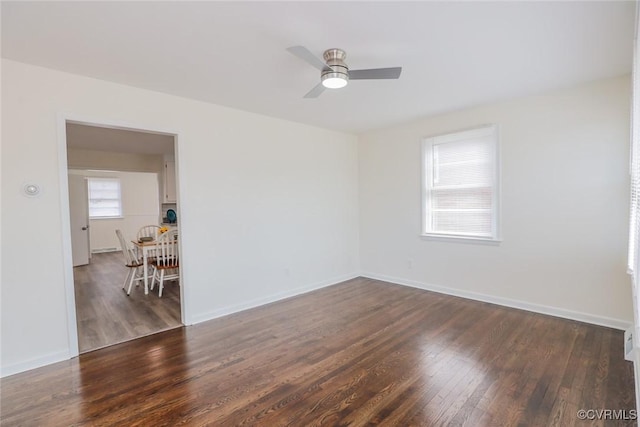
column 172, row 218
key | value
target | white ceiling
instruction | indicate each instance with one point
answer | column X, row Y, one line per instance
column 453, row 54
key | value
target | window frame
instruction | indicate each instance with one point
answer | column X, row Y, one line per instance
column 427, row 165
column 101, row 217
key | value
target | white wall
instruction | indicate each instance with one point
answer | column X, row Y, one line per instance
column 268, row 207
column 565, row 206
column 140, row 207
column 108, row 160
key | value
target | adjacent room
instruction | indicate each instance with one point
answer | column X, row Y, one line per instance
column 125, row 183
column 319, row 213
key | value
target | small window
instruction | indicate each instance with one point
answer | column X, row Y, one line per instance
column 104, row 198
column 461, row 185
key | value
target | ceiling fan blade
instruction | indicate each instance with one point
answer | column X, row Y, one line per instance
column 315, row 92
column 375, row 73
column 304, row 54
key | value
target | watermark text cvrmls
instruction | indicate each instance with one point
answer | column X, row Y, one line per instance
column 607, row 414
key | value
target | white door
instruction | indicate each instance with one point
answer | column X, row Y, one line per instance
column 79, row 213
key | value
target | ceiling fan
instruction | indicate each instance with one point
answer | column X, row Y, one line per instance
column 334, row 72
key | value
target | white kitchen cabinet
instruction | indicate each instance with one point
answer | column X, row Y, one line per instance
column 169, row 182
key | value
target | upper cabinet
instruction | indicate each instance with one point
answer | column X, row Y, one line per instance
column 169, row 182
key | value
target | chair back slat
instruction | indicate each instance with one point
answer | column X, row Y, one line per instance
column 167, row 252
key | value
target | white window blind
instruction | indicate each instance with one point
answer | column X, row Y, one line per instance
column 634, row 223
column 104, row 198
column 461, row 184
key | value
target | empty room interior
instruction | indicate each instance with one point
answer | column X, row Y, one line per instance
column 319, row 213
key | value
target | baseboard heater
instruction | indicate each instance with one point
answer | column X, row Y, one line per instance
column 101, row 250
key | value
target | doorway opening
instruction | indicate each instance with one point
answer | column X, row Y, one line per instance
column 118, row 179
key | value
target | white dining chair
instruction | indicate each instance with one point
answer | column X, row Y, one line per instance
column 152, row 231
column 166, row 263
column 132, row 263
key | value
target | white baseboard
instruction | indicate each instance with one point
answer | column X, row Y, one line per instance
column 552, row 311
column 507, row 302
column 37, row 362
column 203, row 317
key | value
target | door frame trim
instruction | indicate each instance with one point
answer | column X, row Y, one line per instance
column 63, row 167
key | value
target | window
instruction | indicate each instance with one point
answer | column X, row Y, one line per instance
column 634, row 224
column 461, row 184
column 104, row 198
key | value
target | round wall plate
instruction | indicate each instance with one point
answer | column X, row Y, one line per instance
column 31, row 190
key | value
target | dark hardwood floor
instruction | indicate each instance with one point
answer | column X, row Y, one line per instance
column 363, row 352
column 106, row 315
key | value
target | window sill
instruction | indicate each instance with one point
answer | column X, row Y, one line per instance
column 460, row 239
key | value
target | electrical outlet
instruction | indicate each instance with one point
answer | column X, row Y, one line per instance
column 628, row 345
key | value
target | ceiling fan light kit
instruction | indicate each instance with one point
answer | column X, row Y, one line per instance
column 334, row 72
column 338, row 74
column 334, row 80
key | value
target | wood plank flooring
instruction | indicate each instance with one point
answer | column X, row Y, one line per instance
column 359, row 353
column 106, row 315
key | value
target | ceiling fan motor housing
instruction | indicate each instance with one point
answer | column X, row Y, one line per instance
column 335, row 60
